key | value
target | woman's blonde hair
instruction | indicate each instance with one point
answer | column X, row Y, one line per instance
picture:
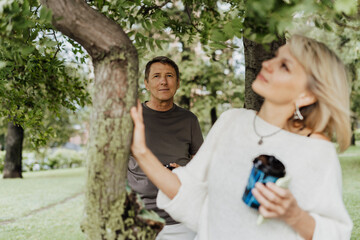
column 327, row 79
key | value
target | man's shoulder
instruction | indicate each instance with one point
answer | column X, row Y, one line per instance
column 185, row 112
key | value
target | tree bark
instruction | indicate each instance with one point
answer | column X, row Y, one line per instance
column 13, row 155
column 2, row 142
column 255, row 54
column 115, row 62
column 213, row 115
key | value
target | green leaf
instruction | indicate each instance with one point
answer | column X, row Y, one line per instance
column 43, row 13
column 151, row 44
column 327, row 27
column 158, row 43
column 27, row 50
column 148, row 25
column 218, row 36
column 347, row 6
column 228, row 29
column 217, row 45
column 268, row 38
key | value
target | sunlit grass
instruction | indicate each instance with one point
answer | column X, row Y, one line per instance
column 21, row 198
column 350, row 163
column 18, row 197
column 61, row 222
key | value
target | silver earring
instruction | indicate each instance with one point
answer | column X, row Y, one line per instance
column 297, row 113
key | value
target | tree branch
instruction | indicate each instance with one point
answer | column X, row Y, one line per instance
column 188, row 13
column 146, row 10
column 347, row 26
column 57, row 43
column 94, row 31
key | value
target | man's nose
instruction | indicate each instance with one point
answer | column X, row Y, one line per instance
column 163, row 80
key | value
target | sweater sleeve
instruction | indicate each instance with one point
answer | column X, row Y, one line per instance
column 189, row 205
column 332, row 221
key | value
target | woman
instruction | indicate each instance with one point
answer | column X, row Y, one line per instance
column 305, row 103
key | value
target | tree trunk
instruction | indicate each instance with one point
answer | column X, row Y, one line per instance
column 115, row 91
column 353, row 129
column 13, row 157
column 2, row 142
column 213, row 115
column 255, row 54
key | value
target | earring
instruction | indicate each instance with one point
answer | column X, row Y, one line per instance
column 297, row 113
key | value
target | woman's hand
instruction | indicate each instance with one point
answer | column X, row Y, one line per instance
column 277, row 202
column 164, row 179
column 138, row 145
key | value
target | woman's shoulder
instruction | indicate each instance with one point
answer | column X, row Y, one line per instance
column 238, row 112
column 320, row 136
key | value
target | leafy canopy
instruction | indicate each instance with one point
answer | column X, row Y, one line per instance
column 34, row 79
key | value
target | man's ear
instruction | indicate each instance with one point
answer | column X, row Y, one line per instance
column 146, row 82
column 306, row 99
column 178, row 84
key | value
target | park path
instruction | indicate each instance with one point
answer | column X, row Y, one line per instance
column 12, row 220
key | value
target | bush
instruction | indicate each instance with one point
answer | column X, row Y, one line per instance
column 65, row 158
column 2, row 160
column 44, row 160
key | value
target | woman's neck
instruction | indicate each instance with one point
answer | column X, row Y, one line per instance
column 275, row 114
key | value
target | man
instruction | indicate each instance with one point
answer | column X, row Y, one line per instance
column 172, row 133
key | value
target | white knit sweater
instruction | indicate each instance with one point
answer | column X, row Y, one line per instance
column 209, row 200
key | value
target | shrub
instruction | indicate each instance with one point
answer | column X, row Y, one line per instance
column 65, row 158
column 2, row 160
column 46, row 159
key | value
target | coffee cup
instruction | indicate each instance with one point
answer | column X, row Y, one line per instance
column 266, row 168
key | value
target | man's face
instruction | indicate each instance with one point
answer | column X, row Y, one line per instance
column 162, row 82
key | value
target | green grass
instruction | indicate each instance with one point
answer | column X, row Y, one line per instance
column 61, row 222
column 43, row 205
column 57, row 193
column 350, row 163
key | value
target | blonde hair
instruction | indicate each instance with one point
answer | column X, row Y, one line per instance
column 327, row 80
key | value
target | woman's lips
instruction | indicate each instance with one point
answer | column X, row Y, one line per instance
column 261, row 77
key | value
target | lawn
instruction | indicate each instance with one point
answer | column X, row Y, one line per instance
column 49, row 204
column 350, row 162
column 43, row 205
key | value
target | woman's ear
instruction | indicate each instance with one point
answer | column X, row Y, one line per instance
column 306, row 99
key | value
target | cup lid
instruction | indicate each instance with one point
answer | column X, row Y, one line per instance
column 270, row 165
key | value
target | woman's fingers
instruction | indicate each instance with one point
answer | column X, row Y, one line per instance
column 275, row 202
column 266, row 193
column 140, row 111
column 282, row 192
column 138, row 143
column 266, row 199
column 136, row 113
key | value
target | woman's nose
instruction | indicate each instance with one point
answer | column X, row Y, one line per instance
column 267, row 65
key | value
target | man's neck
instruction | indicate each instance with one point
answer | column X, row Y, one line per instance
column 160, row 106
